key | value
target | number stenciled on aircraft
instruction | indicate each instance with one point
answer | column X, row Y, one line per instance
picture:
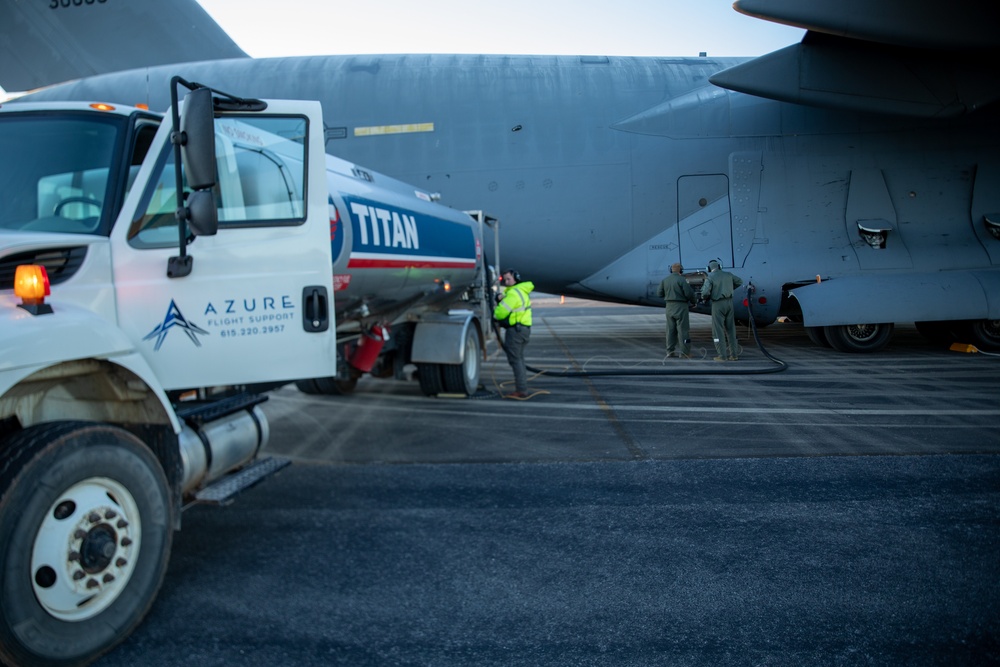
column 66, row 4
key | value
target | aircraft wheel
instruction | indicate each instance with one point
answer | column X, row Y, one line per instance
column 984, row 334
column 86, row 524
column 818, row 336
column 859, row 337
column 463, row 378
column 430, row 379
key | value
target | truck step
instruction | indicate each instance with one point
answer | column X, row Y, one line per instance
column 201, row 412
column 224, row 489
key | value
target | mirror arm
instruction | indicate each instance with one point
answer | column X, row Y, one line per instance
column 180, row 266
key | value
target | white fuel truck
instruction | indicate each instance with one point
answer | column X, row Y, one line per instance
column 138, row 330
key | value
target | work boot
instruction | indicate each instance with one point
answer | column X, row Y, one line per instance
column 519, row 395
column 671, row 355
column 734, row 358
column 721, row 359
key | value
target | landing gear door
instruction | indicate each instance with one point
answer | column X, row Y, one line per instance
column 256, row 305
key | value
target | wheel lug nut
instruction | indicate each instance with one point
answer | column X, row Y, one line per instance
column 94, row 517
column 92, row 583
column 74, row 555
column 121, row 562
column 122, row 523
column 78, row 575
column 79, row 534
column 126, row 541
column 110, row 514
column 108, row 578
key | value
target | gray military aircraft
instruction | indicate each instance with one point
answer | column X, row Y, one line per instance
column 852, row 179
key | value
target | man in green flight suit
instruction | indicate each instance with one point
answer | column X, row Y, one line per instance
column 718, row 287
column 678, row 295
column 514, row 312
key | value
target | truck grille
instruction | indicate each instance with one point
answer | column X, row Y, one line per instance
column 61, row 263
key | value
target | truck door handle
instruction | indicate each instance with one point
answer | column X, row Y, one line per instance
column 315, row 309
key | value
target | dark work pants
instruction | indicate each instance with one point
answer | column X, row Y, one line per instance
column 514, row 341
column 678, row 327
column 724, row 328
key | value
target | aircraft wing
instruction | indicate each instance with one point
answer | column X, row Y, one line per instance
column 43, row 42
column 919, row 58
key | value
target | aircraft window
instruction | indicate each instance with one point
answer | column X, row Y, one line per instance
column 260, row 167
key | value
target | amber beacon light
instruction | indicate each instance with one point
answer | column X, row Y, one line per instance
column 31, row 284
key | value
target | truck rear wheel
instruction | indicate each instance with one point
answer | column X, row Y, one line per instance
column 463, row 378
column 429, row 376
column 85, row 535
column 330, row 386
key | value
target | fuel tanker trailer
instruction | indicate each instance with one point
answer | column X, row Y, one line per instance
column 410, row 285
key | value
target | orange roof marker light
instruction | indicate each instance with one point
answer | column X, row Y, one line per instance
column 31, row 284
column 100, row 106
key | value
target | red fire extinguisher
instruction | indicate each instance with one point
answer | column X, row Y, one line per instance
column 369, row 347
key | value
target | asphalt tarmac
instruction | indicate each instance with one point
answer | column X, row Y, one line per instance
column 842, row 511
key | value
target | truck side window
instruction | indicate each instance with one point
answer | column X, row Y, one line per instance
column 260, row 168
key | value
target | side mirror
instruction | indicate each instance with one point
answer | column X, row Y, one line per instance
column 198, row 146
column 203, row 217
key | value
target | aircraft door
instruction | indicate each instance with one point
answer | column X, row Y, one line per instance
column 703, row 220
column 256, row 306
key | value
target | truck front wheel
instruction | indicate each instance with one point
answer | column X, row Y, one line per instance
column 85, row 534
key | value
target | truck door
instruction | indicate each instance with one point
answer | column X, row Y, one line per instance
column 255, row 307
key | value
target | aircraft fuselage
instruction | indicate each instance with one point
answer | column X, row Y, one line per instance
column 605, row 171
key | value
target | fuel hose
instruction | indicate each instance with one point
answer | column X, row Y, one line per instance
column 777, row 365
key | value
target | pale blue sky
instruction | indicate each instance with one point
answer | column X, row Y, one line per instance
column 265, row 28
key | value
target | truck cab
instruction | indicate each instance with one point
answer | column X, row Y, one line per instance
column 134, row 324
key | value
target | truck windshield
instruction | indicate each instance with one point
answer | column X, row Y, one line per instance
column 54, row 170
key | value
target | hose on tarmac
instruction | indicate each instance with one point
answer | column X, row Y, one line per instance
column 777, row 367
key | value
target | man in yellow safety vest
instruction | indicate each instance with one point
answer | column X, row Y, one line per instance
column 513, row 312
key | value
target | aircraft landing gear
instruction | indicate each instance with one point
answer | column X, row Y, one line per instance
column 858, row 337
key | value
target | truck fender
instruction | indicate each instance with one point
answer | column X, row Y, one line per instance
column 75, row 346
column 69, row 332
column 440, row 338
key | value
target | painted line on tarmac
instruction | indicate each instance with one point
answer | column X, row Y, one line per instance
column 634, row 449
column 542, row 404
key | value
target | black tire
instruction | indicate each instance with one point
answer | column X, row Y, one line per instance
column 818, row 336
column 308, row 386
column 859, row 337
column 430, row 379
column 330, row 386
column 463, row 378
column 84, row 499
column 984, row 334
column 333, row 386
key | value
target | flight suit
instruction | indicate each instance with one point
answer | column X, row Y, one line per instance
column 718, row 288
column 678, row 295
column 514, row 309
